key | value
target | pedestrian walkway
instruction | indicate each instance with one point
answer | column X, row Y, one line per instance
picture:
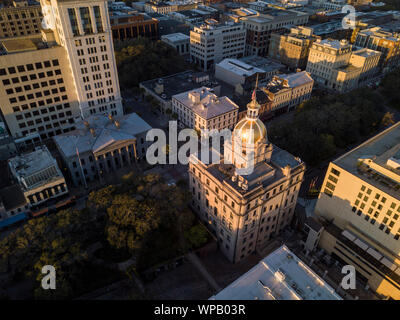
column 203, row 271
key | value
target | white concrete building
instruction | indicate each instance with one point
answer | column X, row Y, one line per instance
column 212, row 42
column 179, row 41
column 102, row 144
column 333, row 64
column 202, row 109
column 83, row 28
column 279, row 276
column 38, row 175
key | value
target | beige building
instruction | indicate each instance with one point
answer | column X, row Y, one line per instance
column 83, row 28
column 20, row 19
column 387, row 43
column 289, row 90
column 292, row 49
column 37, row 92
column 360, row 208
column 259, row 27
column 246, row 207
column 212, row 42
column 333, row 65
column 202, row 109
column 38, row 175
column 68, row 71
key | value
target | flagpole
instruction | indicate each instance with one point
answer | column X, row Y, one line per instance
column 80, row 165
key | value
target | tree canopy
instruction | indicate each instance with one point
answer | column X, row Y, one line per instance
column 141, row 59
column 325, row 124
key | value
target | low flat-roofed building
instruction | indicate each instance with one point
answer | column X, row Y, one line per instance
column 179, row 41
column 245, row 70
column 38, row 175
column 202, row 109
column 102, row 144
column 12, row 202
column 233, row 71
column 279, row 276
column 162, row 89
column 359, row 204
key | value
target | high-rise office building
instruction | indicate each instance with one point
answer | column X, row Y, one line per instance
column 212, row 42
column 67, row 72
column 83, row 29
column 360, row 209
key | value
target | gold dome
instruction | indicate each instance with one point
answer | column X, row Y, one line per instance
column 251, row 130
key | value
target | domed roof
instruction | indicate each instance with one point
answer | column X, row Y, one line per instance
column 251, row 130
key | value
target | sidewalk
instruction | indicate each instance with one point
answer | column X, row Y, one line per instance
column 203, row 271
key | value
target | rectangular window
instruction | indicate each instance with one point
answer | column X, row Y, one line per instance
column 335, row 172
column 97, row 17
column 74, row 22
column 86, row 21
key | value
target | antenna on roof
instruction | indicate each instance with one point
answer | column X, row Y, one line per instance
column 254, row 96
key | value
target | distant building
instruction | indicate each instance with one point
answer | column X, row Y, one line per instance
column 245, row 210
column 202, row 109
column 279, row 276
column 179, row 41
column 21, row 19
column 169, row 6
column 288, row 91
column 194, row 17
column 333, row 65
column 102, row 144
column 212, row 42
column 292, row 49
column 359, row 207
column 132, row 25
column 162, row 89
column 385, row 42
column 39, row 176
column 259, row 28
column 13, row 205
